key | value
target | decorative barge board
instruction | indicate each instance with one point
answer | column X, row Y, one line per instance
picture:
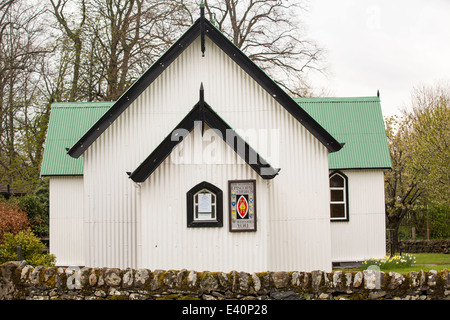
column 202, row 115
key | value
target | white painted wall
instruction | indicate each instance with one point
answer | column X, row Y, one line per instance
column 363, row 236
column 296, row 230
column 66, row 220
column 167, row 243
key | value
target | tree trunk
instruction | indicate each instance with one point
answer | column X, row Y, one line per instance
column 393, row 227
column 76, row 68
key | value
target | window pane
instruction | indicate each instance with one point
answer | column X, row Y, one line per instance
column 337, row 195
column 204, row 213
column 336, row 181
column 337, row 210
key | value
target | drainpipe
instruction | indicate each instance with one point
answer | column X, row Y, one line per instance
column 138, row 226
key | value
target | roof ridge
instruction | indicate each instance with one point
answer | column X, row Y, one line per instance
column 337, row 99
column 202, row 27
column 80, row 104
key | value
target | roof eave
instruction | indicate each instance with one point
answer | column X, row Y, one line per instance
column 135, row 90
column 203, row 27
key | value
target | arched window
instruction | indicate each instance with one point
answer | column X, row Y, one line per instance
column 338, row 196
column 204, row 206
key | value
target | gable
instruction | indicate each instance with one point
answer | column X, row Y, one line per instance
column 359, row 124
column 68, row 122
column 203, row 114
column 203, row 29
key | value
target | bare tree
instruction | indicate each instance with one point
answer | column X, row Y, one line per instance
column 21, row 53
column 114, row 41
column 270, row 33
column 131, row 34
column 75, row 35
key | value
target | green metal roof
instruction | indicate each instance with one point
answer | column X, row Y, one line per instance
column 357, row 122
column 68, row 122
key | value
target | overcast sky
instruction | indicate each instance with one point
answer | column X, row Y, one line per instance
column 387, row 45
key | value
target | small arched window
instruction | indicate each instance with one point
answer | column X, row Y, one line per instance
column 204, row 206
column 338, row 196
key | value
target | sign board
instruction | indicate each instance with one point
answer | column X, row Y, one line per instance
column 242, row 205
column 204, row 202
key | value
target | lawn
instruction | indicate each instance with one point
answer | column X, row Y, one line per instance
column 424, row 261
column 427, row 262
column 434, row 258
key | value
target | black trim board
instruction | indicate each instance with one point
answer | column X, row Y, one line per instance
column 273, row 89
column 202, row 113
column 135, row 91
column 203, row 25
column 191, row 223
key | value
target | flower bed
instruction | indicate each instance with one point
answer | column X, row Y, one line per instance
column 405, row 260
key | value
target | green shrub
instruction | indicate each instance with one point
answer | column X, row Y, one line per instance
column 440, row 222
column 405, row 260
column 37, row 213
column 33, row 250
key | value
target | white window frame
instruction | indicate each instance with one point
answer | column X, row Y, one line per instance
column 210, row 216
column 344, row 202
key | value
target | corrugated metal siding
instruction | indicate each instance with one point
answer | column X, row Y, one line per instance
column 169, row 244
column 299, row 207
column 68, row 122
column 66, row 220
column 297, row 216
column 363, row 236
column 358, row 122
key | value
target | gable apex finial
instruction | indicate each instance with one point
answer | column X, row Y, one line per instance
column 202, row 93
column 202, row 27
column 202, row 9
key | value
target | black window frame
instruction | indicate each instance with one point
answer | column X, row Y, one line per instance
column 191, row 222
column 346, row 196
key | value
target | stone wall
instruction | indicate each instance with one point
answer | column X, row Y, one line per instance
column 426, row 246
column 19, row 281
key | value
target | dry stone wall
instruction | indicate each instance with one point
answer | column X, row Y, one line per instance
column 19, row 281
column 426, row 246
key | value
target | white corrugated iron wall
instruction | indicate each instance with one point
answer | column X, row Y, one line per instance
column 299, row 205
column 363, row 236
column 66, row 220
column 298, row 214
column 169, row 244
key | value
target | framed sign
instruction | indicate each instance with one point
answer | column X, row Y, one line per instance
column 242, row 205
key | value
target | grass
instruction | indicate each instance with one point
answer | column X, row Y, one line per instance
column 427, row 262
column 424, row 261
column 434, row 258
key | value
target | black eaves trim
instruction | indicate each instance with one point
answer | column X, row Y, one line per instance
column 202, row 113
column 202, row 27
column 273, row 89
column 135, row 90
